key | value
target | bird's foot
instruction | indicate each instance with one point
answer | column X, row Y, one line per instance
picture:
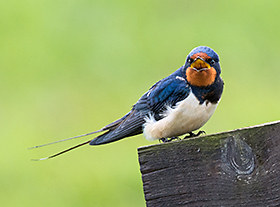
column 169, row 139
column 194, row 135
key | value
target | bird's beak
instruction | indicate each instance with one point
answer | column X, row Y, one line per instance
column 199, row 64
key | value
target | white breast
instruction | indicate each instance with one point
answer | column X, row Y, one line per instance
column 187, row 116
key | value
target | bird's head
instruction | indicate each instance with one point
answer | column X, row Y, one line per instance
column 202, row 66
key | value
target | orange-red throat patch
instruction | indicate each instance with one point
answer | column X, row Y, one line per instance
column 200, row 73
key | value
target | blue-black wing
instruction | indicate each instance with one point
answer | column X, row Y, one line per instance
column 166, row 92
column 129, row 125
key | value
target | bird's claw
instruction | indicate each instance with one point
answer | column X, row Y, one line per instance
column 168, row 139
column 194, row 135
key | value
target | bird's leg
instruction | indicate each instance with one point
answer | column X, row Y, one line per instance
column 194, row 135
column 169, row 139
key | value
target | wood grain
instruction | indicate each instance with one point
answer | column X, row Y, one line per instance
column 235, row 168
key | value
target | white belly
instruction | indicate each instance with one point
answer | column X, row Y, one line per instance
column 188, row 115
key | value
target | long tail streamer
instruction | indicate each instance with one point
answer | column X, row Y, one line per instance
column 62, row 140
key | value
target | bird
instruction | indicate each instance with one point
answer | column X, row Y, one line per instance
column 174, row 106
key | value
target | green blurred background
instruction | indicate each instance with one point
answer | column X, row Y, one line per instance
column 71, row 67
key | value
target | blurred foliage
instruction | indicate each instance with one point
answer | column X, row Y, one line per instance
column 70, row 67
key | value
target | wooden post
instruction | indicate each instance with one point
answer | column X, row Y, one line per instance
column 235, row 168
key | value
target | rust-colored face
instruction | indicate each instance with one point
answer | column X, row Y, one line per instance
column 202, row 55
column 200, row 73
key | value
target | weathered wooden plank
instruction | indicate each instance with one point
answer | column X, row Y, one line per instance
column 236, row 168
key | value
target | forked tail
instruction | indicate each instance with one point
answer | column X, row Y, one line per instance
column 62, row 140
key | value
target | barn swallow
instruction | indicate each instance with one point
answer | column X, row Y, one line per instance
column 176, row 105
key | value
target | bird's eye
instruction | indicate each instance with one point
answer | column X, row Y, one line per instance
column 212, row 62
column 189, row 60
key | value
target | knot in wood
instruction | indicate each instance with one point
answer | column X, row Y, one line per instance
column 238, row 155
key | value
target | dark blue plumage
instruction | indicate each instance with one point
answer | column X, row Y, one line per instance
column 167, row 91
column 206, row 50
